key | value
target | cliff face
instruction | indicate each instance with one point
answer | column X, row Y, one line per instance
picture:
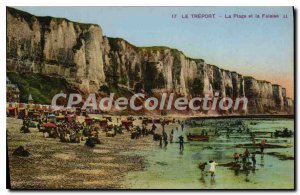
column 88, row 60
column 166, row 69
column 54, row 46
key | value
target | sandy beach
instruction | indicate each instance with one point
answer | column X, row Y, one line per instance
column 123, row 163
column 56, row 165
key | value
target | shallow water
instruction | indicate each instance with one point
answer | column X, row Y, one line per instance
column 168, row 168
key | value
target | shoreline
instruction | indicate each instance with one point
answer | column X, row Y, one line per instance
column 57, row 165
column 260, row 116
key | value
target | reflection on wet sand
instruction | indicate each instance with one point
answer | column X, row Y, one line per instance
column 258, row 166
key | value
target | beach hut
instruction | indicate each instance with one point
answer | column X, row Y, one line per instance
column 103, row 123
column 35, row 116
column 49, row 124
column 22, row 112
column 51, row 118
column 130, row 118
column 30, row 113
column 60, row 118
column 64, row 112
column 127, row 123
column 71, row 118
column 88, row 120
column 84, row 112
column 50, row 130
column 146, row 120
column 156, row 120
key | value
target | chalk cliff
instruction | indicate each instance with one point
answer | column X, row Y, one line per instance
column 89, row 60
column 55, row 46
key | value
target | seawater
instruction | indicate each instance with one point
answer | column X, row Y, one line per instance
column 169, row 168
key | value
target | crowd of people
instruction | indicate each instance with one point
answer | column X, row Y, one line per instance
column 74, row 131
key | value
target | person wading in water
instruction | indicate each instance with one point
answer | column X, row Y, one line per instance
column 212, row 168
column 262, row 145
column 180, row 142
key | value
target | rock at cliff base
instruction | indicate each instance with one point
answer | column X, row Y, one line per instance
column 21, row 151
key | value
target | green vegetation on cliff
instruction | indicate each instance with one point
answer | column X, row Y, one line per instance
column 42, row 88
column 44, row 20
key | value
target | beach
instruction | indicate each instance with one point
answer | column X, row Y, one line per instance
column 56, row 165
column 121, row 162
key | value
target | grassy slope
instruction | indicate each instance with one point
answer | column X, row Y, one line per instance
column 42, row 88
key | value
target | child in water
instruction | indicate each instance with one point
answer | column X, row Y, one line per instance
column 236, row 157
column 212, row 168
column 202, row 167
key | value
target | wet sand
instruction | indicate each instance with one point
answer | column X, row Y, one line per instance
column 56, row 165
column 168, row 168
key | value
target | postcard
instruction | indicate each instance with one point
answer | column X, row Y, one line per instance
column 188, row 98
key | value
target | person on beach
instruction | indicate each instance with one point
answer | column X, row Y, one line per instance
column 262, row 145
column 165, row 138
column 163, row 125
column 253, row 141
column 253, row 159
column 202, row 166
column 247, row 154
column 212, row 168
column 160, row 141
column 153, row 127
column 180, row 142
column 171, row 137
column 244, row 159
column 236, row 157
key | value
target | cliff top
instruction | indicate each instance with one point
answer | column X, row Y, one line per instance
column 44, row 20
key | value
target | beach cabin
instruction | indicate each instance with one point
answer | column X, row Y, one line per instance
column 84, row 112
column 146, row 120
column 60, row 118
column 50, row 130
column 156, row 120
column 36, row 116
column 78, row 111
column 103, row 123
column 51, row 118
column 22, row 112
column 127, row 124
column 71, row 118
column 130, row 118
column 88, row 120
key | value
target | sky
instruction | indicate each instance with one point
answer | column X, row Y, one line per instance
column 259, row 47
